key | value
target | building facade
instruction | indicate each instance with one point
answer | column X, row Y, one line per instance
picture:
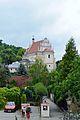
column 14, row 67
column 41, row 49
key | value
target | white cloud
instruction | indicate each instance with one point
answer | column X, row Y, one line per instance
column 68, row 20
column 65, row 17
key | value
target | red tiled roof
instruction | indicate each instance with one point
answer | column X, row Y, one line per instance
column 21, row 80
column 34, row 48
column 48, row 50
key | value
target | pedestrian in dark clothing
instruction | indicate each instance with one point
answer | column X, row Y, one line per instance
column 23, row 111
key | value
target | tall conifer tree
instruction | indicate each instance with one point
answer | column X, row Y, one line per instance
column 69, row 56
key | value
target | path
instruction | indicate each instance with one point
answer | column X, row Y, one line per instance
column 55, row 113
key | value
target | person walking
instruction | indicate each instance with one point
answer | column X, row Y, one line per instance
column 23, row 111
column 28, row 112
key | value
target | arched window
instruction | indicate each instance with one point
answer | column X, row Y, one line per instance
column 48, row 56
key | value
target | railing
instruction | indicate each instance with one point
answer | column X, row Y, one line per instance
column 71, row 116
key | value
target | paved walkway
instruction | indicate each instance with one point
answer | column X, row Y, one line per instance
column 35, row 115
column 55, row 114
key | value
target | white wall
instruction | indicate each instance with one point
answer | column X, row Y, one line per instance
column 50, row 62
column 12, row 70
column 44, row 113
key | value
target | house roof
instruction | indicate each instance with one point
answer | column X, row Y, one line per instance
column 25, row 60
column 14, row 65
column 20, row 80
column 35, row 47
column 48, row 50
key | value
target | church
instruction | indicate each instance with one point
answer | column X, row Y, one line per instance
column 41, row 49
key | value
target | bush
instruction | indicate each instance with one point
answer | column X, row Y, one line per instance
column 23, row 98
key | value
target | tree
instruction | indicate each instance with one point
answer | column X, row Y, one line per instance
column 7, row 56
column 30, row 93
column 39, row 72
column 70, row 87
column 73, row 80
column 13, row 94
column 10, row 53
column 66, row 65
column 2, row 98
column 22, row 70
column 1, row 42
column 40, row 90
column 11, row 84
column 4, row 75
column 66, row 77
column 20, row 52
column 23, row 98
column 53, row 80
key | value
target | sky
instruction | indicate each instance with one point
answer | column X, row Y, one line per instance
column 58, row 20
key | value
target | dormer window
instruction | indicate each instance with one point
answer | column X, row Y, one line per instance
column 48, row 56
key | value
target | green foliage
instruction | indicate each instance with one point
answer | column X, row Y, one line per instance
column 66, row 65
column 39, row 72
column 69, row 87
column 40, row 90
column 30, row 93
column 22, row 70
column 18, row 58
column 23, row 98
column 20, row 52
column 10, row 53
column 7, row 56
column 67, row 75
column 12, row 94
column 73, row 79
column 2, row 102
column 2, row 98
column 11, row 84
column 4, row 75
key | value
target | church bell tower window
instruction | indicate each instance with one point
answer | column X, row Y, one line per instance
column 48, row 56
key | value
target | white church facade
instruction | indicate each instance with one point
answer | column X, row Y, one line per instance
column 41, row 49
